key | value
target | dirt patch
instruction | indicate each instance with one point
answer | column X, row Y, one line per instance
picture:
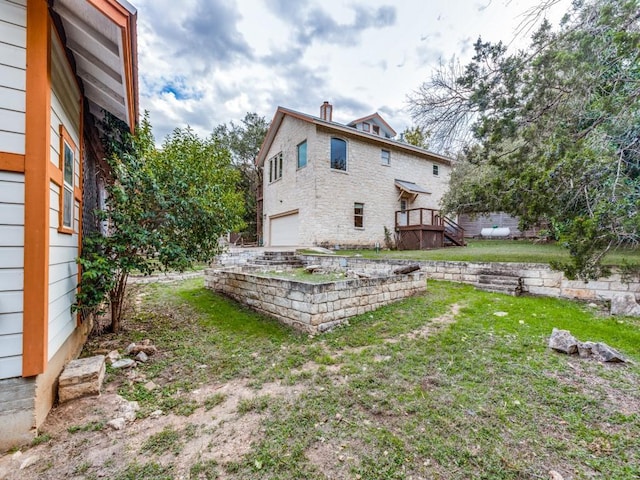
column 83, row 443
column 335, row 460
column 435, row 325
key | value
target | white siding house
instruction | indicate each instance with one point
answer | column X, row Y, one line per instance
column 61, row 64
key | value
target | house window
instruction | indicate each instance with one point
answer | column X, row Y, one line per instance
column 385, row 157
column 275, row 168
column 366, row 127
column 302, row 154
column 376, row 129
column 67, row 197
column 338, row 154
column 358, row 215
column 436, row 170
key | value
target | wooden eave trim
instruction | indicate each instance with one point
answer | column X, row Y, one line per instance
column 126, row 21
column 12, row 162
column 37, row 185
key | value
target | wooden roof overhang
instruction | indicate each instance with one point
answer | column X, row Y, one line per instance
column 101, row 36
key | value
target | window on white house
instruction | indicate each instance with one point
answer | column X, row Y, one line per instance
column 69, row 161
column 385, row 157
column 376, row 129
column 338, row 154
column 436, row 170
column 275, row 168
column 302, row 154
column 67, row 164
column 358, row 215
column 365, row 127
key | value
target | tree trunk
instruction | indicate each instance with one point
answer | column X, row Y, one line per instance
column 116, row 300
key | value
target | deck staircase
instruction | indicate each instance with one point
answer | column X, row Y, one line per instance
column 453, row 233
column 278, row 260
column 499, row 283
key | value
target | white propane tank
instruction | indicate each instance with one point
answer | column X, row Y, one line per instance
column 495, row 232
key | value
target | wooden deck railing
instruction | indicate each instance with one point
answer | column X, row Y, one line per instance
column 419, row 218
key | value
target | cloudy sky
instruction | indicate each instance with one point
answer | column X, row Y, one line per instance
column 207, row 62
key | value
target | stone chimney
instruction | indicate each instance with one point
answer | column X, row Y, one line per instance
column 326, row 111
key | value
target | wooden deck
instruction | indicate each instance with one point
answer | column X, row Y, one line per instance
column 425, row 228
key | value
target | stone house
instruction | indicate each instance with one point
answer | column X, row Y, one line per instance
column 330, row 184
column 62, row 64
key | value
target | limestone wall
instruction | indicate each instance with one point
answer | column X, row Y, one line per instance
column 538, row 279
column 313, row 307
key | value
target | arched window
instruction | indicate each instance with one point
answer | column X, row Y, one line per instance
column 338, row 154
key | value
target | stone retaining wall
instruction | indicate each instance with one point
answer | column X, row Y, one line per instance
column 538, row 279
column 313, row 307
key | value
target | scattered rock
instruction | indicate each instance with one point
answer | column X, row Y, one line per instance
column 142, row 357
column 500, row 314
column 592, row 305
column 553, row 475
column 144, row 346
column 117, row 423
column 129, row 349
column 124, row 363
column 563, row 341
column 150, row 386
column 607, row 354
column 27, row 462
column 156, row 414
column 128, row 410
column 81, row 377
column 312, row 268
column 113, row 356
column 625, row 304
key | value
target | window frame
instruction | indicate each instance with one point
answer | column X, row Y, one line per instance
column 346, row 155
column 382, row 157
column 66, row 142
column 306, row 154
column 275, row 167
column 366, row 127
column 358, row 216
column 435, row 169
column 376, row 130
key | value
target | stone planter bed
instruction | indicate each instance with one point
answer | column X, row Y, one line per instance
column 312, row 307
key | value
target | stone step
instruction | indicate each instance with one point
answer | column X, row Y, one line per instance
column 498, row 280
column 508, row 290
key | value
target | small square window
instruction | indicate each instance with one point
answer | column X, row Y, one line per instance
column 302, row 154
column 365, row 127
column 358, row 215
column 436, row 170
column 376, row 129
column 385, row 157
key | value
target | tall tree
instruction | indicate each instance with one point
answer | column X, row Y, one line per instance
column 557, row 131
column 417, row 136
column 165, row 209
column 244, row 141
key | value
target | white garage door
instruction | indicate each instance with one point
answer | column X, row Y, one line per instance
column 284, row 231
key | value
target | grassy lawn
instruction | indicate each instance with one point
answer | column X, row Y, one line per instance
column 497, row 251
column 435, row 386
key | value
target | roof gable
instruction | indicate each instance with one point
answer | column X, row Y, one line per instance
column 340, row 129
column 367, row 124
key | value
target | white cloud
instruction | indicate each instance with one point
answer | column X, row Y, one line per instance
column 206, row 62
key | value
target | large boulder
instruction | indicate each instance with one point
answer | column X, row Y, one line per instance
column 625, row 304
column 563, row 341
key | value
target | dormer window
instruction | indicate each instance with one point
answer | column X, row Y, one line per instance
column 376, row 129
column 366, row 127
